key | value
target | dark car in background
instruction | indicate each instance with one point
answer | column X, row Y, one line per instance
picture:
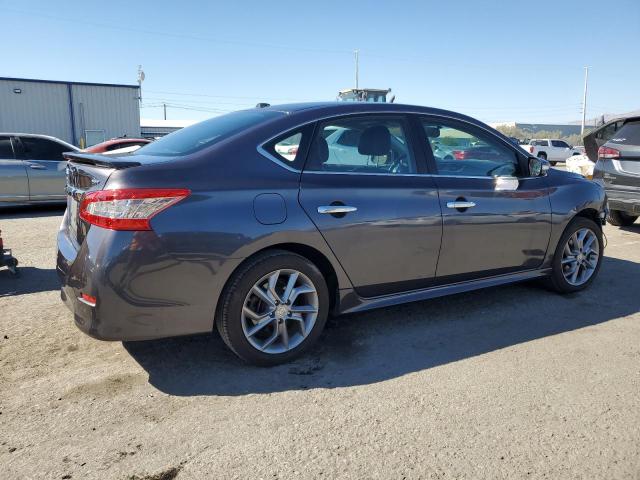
column 618, row 167
column 218, row 225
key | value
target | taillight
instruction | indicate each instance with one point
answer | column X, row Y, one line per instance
column 1, row 243
column 606, row 152
column 531, row 148
column 128, row 208
column 459, row 154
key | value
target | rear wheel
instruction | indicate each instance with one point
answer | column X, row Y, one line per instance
column 578, row 256
column 620, row 218
column 274, row 308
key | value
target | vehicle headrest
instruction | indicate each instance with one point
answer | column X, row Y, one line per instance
column 375, row 141
column 319, row 152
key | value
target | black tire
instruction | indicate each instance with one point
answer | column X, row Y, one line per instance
column 228, row 318
column 620, row 218
column 556, row 280
column 553, row 164
column 542, row 155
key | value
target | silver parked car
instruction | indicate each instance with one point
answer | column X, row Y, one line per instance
column 32, row 169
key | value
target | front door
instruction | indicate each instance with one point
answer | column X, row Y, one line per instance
column 14, row 186
column 45, row 167
column 490, row 227
column 362, row 188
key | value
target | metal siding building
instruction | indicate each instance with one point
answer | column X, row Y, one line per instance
column 74, row 112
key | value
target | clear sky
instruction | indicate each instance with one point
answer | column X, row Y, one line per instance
column 495, row 60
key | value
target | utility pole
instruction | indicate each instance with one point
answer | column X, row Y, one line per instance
column 584, row 100
column 356, row 52
column 140, row 80
column 164, row 107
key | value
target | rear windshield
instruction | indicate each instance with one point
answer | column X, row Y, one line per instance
column 629, row 134
column 204, row 134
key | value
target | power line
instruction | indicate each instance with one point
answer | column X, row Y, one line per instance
column 173, row 34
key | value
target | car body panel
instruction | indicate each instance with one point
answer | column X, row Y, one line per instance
column 397, row 226
column 473, row 240
column 168, row 281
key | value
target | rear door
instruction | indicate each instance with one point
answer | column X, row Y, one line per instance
column 45, row 167
column 369, row 198
column 14, row 184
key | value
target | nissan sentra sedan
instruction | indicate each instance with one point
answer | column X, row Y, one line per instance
column 219, row 226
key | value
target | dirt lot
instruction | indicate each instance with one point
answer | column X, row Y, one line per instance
column 511, row 382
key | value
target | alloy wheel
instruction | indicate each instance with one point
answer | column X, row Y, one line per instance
column 280, row 311
column 580, row 256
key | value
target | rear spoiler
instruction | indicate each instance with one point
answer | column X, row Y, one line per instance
column 100, row 160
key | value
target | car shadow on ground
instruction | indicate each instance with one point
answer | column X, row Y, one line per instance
column 383, row 344
column 29, row 280
column 32, row 211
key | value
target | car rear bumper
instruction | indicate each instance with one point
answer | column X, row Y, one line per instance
column 625, row 200
column 142, row 291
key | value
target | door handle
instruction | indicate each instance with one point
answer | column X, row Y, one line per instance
column 333, row 209
column 36, row 166
column 459, row 204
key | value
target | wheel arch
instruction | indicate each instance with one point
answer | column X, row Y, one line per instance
column 591, row 214
column 312, row 254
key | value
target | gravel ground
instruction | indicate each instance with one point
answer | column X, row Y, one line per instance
column 511, row 382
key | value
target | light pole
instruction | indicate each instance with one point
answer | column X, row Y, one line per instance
column 356, row 52
column 584, row 100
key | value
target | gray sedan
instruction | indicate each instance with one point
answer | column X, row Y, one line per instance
column 32, row 169
column 214, row 227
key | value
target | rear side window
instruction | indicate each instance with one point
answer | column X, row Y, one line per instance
column 289, row 147
column 629, row 134
column 205, row 134
column 366, row 144
column 6, row 152
column 540, row 143
column 42, row 149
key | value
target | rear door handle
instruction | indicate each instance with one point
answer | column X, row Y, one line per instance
column 460, row 204
column 333, row 209
column 37, row 166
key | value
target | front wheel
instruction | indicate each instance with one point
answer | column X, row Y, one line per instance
column 619, row 218
column 274, row 308
column 578, row 256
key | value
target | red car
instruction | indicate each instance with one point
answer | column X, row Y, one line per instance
column 116, row 143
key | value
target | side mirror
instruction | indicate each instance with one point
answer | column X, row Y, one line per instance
column 506, row 183
column 538, row 167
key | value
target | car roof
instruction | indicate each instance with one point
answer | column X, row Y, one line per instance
column 339, row 108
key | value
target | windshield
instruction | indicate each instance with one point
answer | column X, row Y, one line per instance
column 204, row 134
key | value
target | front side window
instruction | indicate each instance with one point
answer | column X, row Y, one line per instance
column 364, row 144
column 559, row 143
column 459, row 151
column 42, row 149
